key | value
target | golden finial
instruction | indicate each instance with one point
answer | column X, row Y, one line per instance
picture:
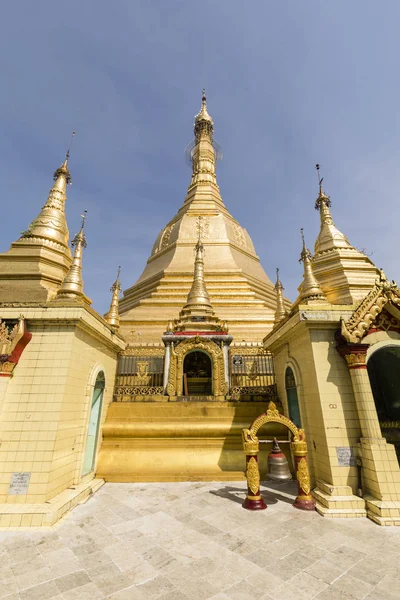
column 280, row 311
column 309, row 289
column 63, row 171
column 72, row 286
column 112, row 317
column 323, row 201
column 203, row 115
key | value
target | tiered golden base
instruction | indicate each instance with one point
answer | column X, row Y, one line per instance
column 179, row 441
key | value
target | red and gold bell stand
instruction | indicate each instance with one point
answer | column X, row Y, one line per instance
column 251, row 448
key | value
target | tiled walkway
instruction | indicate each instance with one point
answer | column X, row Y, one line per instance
column 193, row 541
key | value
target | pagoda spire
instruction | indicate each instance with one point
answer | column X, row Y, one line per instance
column 72, row 286
column 329, row 236
column 203, row 153
column 280, row 311
column 112, row 317
column 309, row 290
column 198, row 295
column 50, row 226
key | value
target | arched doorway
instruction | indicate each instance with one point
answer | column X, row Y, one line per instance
column 384, row 375
column 197, row 374
column 292, row 397
column 94, row 423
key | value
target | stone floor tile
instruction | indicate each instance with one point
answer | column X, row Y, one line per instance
column 352, row 587
column 243, row 591
column 33, row 578
column 334, row 594
column 44, row 591
column 72, row 581
column 156, row 587
column 288, row 592
column 174, row 595
column 141, row 572
column 88, row 591
column 131, row 593
column 265, row 581
column 222, row 579
column 113, row 583
column 8, row 587
column 198, row 589
column 309, row 584
column 325, row 570
column 367, row 575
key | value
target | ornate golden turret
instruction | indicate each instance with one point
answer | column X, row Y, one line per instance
column 72, row 286
column 198, row 314
column 309, row 290
column 36, row 264
column 280, row 312
column 112, row 317
column 344, row 273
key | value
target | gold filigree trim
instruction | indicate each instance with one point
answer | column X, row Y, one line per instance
column 384, row 291
column 253, row 475
column 303, row 476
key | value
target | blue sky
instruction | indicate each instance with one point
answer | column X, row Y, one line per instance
column 288, row 83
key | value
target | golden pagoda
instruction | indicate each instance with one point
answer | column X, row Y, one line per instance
column 344, row 273
column 239, row 288
column 36, row 264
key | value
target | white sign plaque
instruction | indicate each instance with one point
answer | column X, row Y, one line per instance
column 345, row 456
column 19, row 484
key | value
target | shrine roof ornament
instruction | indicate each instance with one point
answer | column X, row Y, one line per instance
column 50, row 226
column 112, row 317
column 72, row 286
column 358, row 325
column 309, row 289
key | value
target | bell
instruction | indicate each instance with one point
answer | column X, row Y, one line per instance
column 278, row 467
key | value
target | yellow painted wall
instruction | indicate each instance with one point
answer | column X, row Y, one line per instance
column 45, row 408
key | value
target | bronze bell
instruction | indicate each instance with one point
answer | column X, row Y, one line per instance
column 278, row 466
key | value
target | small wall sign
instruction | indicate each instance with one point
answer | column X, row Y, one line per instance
column 19, row 484
column 345, row 456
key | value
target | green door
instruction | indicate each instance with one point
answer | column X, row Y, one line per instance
column 94, row 423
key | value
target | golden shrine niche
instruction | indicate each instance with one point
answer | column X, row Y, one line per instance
column 178, row 353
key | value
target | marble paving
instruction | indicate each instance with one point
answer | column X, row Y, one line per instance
column 194, row 541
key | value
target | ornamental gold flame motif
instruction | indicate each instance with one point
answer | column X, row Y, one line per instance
column 303, row 476
column 253, row 475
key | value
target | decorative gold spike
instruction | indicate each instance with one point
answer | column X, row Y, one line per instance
column 310, row 290
column 112, row 317
column 280, row 311
column 72, row 286
column 198, row 295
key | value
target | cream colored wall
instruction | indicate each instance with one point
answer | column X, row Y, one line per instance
column 337, row 406
column 326, row 400
column 45, row 412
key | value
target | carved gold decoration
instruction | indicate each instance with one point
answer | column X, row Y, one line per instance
column 253, row 475
column 72, row 286
column 303, row 476
column 386, row 321
column 356, row 359
column 383, row 292
column 240, row 238
column 143, row 351
column 7, row 337
column 178, row 354
column 202, row 228
column 136, row 390
column 250, row 390
column 250, row 442
column 273, row 415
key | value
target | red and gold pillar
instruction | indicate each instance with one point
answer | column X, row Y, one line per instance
column 251, row 447
column 304, row 499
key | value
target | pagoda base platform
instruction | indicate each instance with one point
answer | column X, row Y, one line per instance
column 179, row 441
